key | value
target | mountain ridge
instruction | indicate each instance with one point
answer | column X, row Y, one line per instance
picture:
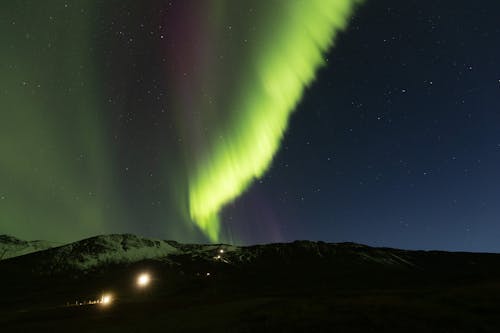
column 301, row 286
column 98, row 251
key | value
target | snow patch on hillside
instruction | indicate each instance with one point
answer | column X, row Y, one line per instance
column 11, row 247
column 111, row 249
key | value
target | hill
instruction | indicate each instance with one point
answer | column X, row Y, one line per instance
column 285, row 287
column 13, row 247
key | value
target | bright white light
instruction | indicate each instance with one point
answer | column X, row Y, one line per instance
column 221, row 251
column 143, row 280
column 106, row 299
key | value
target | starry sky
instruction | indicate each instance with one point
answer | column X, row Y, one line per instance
column 157, row 118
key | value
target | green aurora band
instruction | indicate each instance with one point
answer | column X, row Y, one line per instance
column 54, row 180
column 71, row 74
column 282, row 65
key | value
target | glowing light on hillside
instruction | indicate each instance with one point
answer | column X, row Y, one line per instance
column 106, row 299
column 143, row 280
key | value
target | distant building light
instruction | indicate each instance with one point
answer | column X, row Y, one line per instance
column 143, row 280
column 106, row 299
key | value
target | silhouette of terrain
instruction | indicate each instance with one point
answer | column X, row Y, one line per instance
column 286, row 287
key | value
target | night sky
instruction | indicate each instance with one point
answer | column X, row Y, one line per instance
column 252, row 121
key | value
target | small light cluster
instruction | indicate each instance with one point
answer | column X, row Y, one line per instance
column 142, row 281
column 105, row 299
column 219, row 256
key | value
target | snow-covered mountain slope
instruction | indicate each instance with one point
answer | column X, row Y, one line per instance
column 104, row 250
column 13, row 247
column 315, row 262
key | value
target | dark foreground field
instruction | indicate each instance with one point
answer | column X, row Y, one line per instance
column 296, row 287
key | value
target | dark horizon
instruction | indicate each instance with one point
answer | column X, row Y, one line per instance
column 58, row 244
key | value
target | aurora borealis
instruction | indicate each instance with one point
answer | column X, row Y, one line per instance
column 251, row 121
column 232, row 96
column 277, row 62
column 55, row 170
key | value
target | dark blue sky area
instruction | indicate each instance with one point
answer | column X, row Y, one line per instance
column 397, row 143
